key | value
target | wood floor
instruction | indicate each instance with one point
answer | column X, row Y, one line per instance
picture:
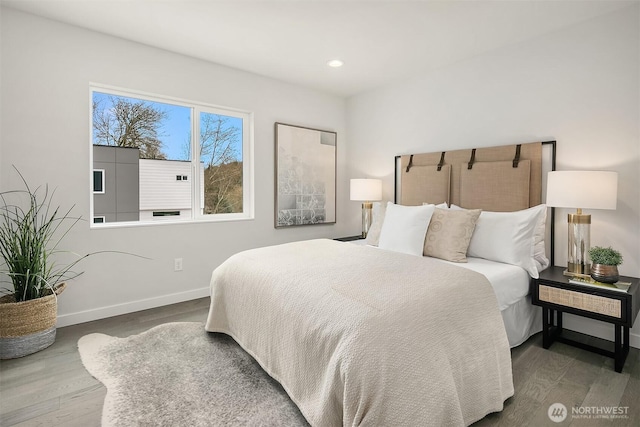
column 52, row 388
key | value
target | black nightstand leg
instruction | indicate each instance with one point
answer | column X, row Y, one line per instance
column 546, row 335
column 559, row 321
column 618, row 351
column 626, row 337
column 622, row 347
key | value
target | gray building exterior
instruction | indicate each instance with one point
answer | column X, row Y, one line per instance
column 119, row 199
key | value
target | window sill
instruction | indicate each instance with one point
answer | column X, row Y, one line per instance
column 130, row 224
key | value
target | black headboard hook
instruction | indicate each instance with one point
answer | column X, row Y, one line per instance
column 441, row 161
column 516, row 159
column 472, row 159
column 410, row 163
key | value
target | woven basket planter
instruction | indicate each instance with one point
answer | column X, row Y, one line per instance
column 28, row 326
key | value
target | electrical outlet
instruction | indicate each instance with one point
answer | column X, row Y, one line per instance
column 177, row 264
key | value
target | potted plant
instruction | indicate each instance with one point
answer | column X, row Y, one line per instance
column 31, row 230
column 605, row 262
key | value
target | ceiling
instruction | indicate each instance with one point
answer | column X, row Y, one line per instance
column 379, row 41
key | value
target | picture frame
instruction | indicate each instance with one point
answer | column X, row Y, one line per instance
column 305, row 176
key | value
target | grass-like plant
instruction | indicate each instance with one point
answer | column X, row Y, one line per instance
column 605, row 256
column 31, row 230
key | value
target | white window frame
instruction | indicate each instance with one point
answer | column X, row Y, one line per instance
column 247, row 168
column 248, row 196
column 93, row 184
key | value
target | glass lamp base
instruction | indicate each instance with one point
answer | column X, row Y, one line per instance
column 367, row 215
column 578, row 268
column 579, row 243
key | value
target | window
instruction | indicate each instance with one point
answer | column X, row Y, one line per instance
column 167, row 213
column 98, row 181
column 168, row 159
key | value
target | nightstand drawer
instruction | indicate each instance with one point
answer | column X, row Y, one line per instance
column 581, row 301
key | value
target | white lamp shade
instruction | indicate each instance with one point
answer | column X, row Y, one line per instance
column 582, row 189
column 366, row 190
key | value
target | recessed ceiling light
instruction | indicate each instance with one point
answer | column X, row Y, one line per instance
column 335, row 63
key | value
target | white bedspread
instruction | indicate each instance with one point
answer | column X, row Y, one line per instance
column 511, row 286
column 360, row 336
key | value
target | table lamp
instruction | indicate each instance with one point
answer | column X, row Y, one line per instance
column 581, row 190
column 366, row 191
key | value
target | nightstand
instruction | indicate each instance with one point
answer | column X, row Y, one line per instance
column 553, row 292
column 349, row 238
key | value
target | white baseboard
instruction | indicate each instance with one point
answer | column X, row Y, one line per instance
column 596, row 329
column 129, row 307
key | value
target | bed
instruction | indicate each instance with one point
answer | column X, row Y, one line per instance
column 511, row 285
column 366, row 335
column 516, row 176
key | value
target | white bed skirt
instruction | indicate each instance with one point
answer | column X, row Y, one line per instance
column 521, row 320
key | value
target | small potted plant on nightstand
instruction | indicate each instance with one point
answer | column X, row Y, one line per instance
column 605, row 262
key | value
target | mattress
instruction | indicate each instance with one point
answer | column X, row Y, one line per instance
column 509, row 282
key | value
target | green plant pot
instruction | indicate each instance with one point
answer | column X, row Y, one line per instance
column 605, row 273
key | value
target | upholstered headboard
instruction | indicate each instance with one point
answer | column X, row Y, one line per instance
column 500, row 179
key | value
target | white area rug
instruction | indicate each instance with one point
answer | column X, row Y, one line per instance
column 177, row 374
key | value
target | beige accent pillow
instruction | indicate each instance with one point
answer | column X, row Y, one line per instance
column 449, row 234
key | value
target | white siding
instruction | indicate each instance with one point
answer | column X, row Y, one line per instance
column 159, row 189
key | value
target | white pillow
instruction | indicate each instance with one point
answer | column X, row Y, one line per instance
column 378, row 210
column 405, row 227
column 508, row 237
column 539, row 250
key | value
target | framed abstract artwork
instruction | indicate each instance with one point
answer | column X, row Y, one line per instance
column 305, row 180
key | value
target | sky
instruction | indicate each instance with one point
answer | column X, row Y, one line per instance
column 175, row 130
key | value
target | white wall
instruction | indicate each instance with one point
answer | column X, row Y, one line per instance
column 579, row 86
column 46, row 69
